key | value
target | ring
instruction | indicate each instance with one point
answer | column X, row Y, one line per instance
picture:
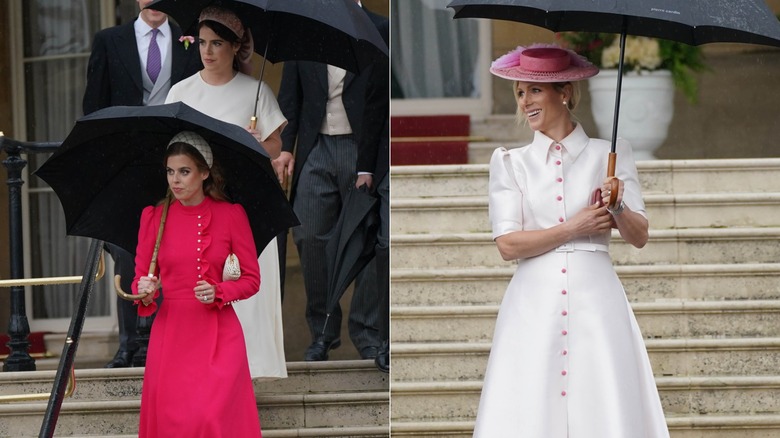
column 204, row 298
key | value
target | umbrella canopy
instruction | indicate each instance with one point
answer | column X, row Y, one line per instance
column 111, row 166
column 335, row 32
column 691, row 22
column 352, row 245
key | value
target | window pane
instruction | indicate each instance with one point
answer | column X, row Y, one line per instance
column 57, row 41
column 433, row 56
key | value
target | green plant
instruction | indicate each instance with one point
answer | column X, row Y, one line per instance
column 642, row 54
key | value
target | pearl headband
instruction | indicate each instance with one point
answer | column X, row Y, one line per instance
column 195, row 140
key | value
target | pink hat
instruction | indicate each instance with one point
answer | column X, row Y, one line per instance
column 543, row 63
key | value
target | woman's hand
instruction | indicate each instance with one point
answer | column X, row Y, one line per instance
column 272, row 144
column 205, row 292
column 606, row 188
column 147, row 285
column 592, row 219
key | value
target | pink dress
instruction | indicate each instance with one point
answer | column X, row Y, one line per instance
column 196, row 382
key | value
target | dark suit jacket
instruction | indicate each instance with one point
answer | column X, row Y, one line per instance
column 114, row 71
column 302, row 97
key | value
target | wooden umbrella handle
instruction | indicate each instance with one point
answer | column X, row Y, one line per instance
column 614, row 182
column 153, row 264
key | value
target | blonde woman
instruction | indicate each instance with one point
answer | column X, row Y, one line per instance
column 568, row 360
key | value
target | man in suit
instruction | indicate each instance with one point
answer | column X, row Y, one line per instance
column 135, row 64
column 377, row 122
column 325, row 107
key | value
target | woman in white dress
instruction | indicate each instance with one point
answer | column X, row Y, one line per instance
column 225, row 91
column 568, row 359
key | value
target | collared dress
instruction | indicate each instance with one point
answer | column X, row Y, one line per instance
column 567, row 359
column 196, row 381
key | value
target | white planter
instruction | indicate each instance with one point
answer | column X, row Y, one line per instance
column 646, row 108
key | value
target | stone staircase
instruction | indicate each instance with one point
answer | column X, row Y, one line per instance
column 324, row 399
column 705, row 290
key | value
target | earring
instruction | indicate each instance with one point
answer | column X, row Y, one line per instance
column 564, row 103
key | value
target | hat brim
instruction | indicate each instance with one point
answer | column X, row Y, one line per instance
column 571, row 74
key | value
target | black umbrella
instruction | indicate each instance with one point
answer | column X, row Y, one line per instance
column 351, row 246
column 111, row 166
column 690, row 22
column 335, row 32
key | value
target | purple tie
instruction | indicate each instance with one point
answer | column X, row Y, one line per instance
column 153, row 62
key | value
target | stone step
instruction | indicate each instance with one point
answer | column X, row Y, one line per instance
column 458, row 361
column 314, row 432
column 648, row 283
column 123, row 383
column 710, row 426
column 334, row 398
column 662, row 320
column 659, row 176
column 284, row 412
column 721, row 395
column 469, row 214
column 675, row 246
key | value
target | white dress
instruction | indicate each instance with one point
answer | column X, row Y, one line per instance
column 260, row 315
column 568, row 359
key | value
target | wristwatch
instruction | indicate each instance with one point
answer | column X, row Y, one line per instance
column 617, row 211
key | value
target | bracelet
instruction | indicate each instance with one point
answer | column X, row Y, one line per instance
column 617, row 211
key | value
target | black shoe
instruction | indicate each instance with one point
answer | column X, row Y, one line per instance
column 369, row 352
column 382, row 360
column 318, row 350
column 122, row 359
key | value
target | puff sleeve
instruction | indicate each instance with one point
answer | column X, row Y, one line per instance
column 505, row 199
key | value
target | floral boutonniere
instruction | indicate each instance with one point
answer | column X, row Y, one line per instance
column 187, row 40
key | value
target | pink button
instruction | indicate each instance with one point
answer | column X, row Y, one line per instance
column 198, row 268
column 565, row 352
column 564, row 313
column 558, row 162
column 564, row 332
column 557, row 147
column 563, row 270
column 559, row 179
column 563, row 373
column 560, row 219
column 563, row 292
column 560, row 198
column 563, row 393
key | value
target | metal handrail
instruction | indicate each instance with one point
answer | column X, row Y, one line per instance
column 53, row 280
column 69, row 390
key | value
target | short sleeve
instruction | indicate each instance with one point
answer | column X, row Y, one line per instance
column 269, row 116
column 626, row 171
column 505, row 199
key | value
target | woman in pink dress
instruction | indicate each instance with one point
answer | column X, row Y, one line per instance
column 196, row 382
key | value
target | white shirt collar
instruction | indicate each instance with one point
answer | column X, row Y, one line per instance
column 142, row 28
column 574, row 143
